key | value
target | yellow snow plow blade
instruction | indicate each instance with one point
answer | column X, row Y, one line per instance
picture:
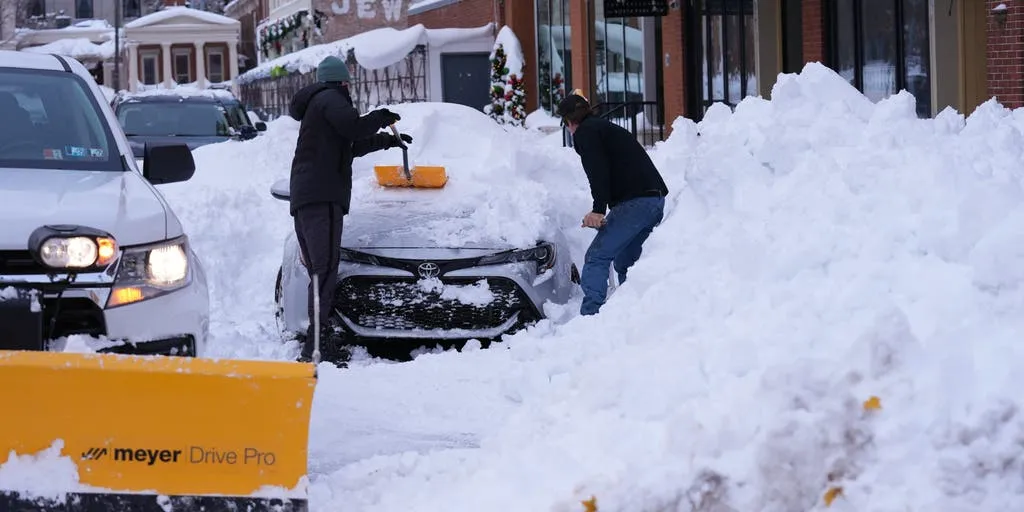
column 170, row 426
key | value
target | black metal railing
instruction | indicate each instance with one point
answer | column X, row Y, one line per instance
column 642, row 118
column 402, row 82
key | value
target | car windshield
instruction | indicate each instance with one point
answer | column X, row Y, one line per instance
column 173, row 118
column 238, row 115
column 51, row 120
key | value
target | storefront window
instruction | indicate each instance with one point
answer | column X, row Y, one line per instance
column 726, row 49
column 619, row 57
column 554, row 58
column 882, row 46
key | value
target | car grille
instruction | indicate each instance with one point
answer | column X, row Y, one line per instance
column 400, row 303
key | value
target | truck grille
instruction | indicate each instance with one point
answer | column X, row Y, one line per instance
column 19, row 263
column 402, row 303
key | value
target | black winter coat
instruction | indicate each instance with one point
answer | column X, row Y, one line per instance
column 331, row 134
column 617, row 166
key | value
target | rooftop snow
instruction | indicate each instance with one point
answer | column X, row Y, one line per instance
column 183, row 90
column 79, row 48
column 374, row 49
column 171, row 12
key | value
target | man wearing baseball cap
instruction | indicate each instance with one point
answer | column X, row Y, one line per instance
column 628, row 193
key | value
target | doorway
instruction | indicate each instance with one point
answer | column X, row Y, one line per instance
column 973, row 59
column 466, row 79
column 721, row 65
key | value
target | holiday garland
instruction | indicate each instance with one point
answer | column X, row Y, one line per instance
column 271, row 36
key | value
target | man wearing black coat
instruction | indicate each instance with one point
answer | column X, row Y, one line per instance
column 331, row 134
column 628, row 193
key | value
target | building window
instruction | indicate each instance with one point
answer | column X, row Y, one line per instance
column 727, row 58
column 83, row 9
column 131, row 8
column 215, row 65
column 182, row 65
column 554, row 56
column 619, row 59
column 150, row 67
column 792, row 36
column 882, row 46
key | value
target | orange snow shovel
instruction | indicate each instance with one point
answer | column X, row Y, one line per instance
column 420, row 176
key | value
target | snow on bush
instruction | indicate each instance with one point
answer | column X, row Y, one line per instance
column 508, row 97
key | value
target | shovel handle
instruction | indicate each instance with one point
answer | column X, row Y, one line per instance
column 405, row 151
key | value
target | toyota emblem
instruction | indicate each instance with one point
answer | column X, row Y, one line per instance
column 428, row 270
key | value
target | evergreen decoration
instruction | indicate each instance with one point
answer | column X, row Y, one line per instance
column 515, row 101
column 497, row 107
column 508, row 96
column 300, row 24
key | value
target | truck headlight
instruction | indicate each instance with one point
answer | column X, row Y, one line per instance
column 150, row 271
column 72, row 248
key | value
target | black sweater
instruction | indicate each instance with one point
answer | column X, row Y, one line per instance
column 617, row 166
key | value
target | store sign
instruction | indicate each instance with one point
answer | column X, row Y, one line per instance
column 635, row 8
column 388, row 10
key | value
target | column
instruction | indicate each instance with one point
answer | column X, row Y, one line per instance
column 674, row 67
column 233, row 61
column 521, row 20
column 581, row 19
column 133, row 67
column 165, row 57
column 200, row 64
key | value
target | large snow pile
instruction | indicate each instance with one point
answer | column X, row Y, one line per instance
column 373, row 49
column 819, row 250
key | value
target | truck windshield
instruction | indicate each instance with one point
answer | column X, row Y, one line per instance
column 173, row 118
column 51, row 120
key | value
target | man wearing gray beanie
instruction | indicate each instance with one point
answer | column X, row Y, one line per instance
column 331, row 134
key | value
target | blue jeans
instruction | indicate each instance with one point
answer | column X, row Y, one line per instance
column 618, row 244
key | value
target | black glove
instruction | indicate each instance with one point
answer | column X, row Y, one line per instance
column 385, row 117
column 397, row 142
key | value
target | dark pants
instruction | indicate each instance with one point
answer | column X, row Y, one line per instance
column 618, row 245
column 318, row 229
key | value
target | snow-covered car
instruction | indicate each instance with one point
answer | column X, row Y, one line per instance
column 193, row 118
column 88, row 245
column 395, row 284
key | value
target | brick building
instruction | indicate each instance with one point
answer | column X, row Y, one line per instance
column 662, row 62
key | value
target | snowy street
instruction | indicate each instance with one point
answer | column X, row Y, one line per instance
column 817, row 250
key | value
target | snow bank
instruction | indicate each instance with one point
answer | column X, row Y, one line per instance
column 818, row 250
column 373, row 49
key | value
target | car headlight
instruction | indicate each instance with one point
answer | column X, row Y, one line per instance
column 150, row 271
column 357, row 257
column 72, row 248
column 543, row 254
